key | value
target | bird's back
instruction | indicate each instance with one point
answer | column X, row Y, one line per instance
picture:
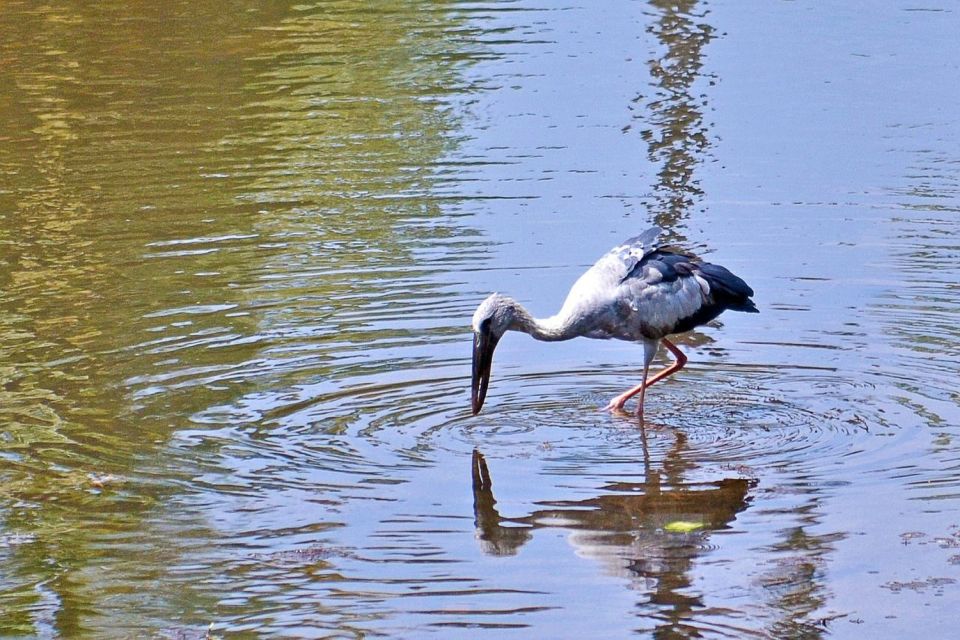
column 639, row 290
column 590, row 305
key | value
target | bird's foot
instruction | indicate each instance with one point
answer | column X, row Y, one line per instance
column 616, row 405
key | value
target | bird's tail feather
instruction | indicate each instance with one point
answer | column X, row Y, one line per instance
column 747, row 306
column 729, row 290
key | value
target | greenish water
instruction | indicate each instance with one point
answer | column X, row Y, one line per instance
column 240, row 246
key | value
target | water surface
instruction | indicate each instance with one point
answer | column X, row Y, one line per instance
column 240, row 249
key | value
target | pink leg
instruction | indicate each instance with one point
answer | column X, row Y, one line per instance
column 681, row 359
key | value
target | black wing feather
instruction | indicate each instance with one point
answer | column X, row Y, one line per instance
column 727, row 289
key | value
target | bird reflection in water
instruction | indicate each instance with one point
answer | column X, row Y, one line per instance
column 628, row 527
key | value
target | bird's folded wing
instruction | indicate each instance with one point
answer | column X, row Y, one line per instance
column 620, row 261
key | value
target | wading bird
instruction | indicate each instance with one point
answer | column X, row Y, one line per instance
column 638, row 292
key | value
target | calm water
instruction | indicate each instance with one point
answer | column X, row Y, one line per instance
column 241, row 244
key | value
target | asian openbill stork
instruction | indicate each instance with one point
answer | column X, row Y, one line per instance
column 638, row 291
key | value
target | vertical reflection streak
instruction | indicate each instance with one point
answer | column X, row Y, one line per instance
column 673, row 126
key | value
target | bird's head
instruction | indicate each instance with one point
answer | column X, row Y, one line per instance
column 490, row 321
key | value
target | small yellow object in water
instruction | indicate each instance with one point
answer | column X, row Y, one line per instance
column 682, row 526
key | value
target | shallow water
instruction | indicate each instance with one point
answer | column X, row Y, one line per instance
column 240, row 249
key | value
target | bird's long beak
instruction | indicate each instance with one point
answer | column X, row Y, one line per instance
column 483, row 346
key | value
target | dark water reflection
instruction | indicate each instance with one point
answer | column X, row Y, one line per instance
column 672, row 120
column 239, row 253
column 650, row 532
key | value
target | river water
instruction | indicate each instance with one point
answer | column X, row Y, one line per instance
column 241, row 243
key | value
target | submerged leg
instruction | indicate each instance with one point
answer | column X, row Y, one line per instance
column 643, row 390
column 681, row 359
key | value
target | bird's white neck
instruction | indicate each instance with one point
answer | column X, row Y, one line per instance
column 549, row 329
